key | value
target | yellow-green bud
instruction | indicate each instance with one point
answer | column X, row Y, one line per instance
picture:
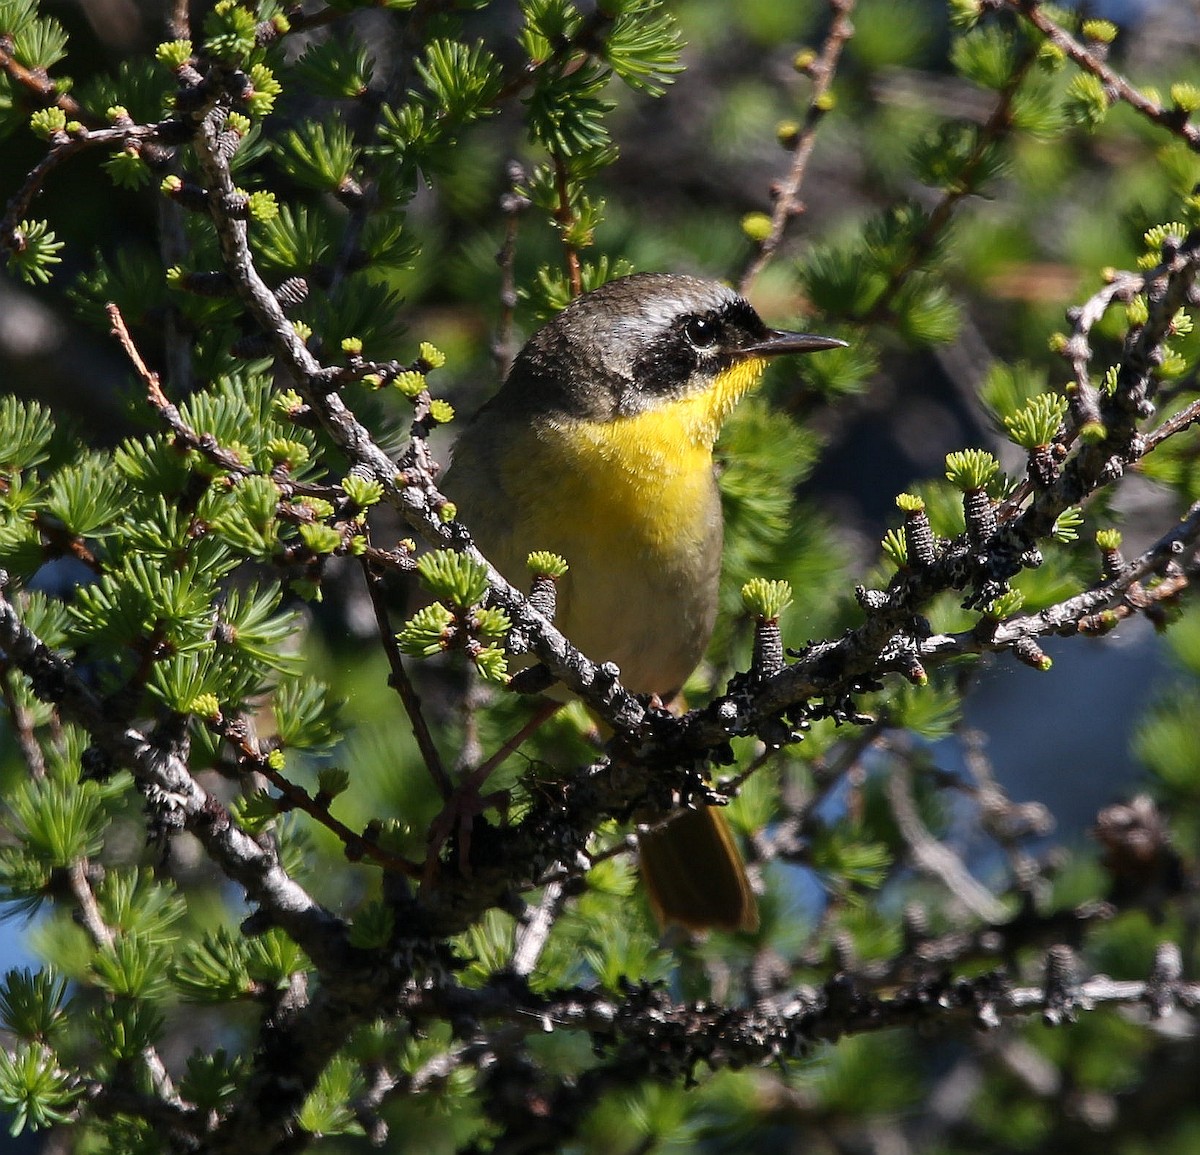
column 757, row 226
column 174, row 53
column 787, row 132
column 205, row 706
column 432, row 355
column 543, row 562
column 410, row 382
column 766, row 600
column 441, row 411
column 1101, row 31
column 804, row 60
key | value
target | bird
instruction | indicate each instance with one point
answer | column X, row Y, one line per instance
column 598, row 447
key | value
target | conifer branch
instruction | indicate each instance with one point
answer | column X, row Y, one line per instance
column 1174, row 121
column 173, row 793
column 252, row 760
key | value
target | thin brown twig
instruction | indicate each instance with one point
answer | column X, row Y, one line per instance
column 212, row 450
column 63, row 148
column 399, row 680
column 542, row 711
column 149, row 378
column 295, row 797
column 1174, row 121
column 158, row 400
column 924, row 243
column 787, row 195
column 21, row 725
column 565, row 218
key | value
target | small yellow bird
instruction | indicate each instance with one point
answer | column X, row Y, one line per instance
column 599, row 447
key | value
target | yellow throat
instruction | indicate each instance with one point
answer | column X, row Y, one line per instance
column 648, row 475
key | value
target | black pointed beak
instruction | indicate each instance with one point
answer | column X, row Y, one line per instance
column 778, row 342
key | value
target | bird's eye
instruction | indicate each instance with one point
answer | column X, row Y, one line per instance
column 701, row 332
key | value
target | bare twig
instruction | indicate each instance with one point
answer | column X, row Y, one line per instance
column 565, row 218
column 787, row 203
column 534, row 928
column 204, row 443
column 402, row 684
column 21, row 724
column 933, row 857
column 252, row 760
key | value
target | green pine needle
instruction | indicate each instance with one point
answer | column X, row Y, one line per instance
column 33, row 251
column 895, row 547
column 1066, row 525
column 426, row 632
column 26, row 428
column 454, row 577
column 766, row 600
column 1038, row 423
column 971, row 469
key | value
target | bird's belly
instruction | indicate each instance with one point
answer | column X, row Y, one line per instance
column 644, row 556
column 645, row 601
column 646, row 612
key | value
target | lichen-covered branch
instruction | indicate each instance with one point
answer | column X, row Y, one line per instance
column 172, row 792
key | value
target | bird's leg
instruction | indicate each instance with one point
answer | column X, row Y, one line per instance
column 466, row 802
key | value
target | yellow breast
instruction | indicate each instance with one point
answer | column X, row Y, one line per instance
column 632, row 504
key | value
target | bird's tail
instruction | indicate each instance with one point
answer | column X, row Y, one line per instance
column 694, row 874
